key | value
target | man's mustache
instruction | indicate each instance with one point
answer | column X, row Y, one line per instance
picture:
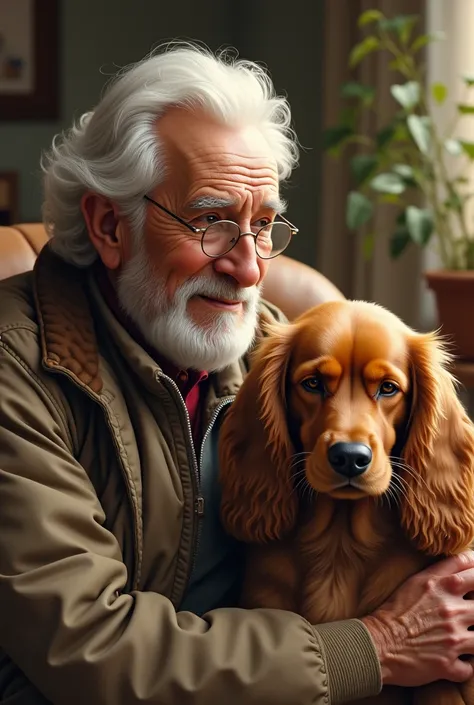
column 217, row 289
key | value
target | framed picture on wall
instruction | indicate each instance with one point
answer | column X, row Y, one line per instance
column 29, row 59
column 8, row 198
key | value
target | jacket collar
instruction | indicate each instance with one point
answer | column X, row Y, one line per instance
column 68, row 339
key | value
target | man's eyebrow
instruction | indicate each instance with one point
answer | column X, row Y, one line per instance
column 210, row 202
column 273, row 203
column 276, row 204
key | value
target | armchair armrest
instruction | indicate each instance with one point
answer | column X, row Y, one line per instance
column 295, row 287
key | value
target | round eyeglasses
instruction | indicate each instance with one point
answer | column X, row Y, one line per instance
column 219, row 238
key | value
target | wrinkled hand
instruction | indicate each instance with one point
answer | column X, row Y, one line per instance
column 422, row 630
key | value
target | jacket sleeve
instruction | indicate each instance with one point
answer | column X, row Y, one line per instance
column 65, row 623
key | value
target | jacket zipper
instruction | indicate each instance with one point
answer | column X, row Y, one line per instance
column 223, row 402
column 196, row 480
column 199, row 503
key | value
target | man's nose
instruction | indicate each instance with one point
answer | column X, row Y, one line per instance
column 242, row 262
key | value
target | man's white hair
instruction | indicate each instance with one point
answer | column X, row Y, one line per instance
column 114, row 150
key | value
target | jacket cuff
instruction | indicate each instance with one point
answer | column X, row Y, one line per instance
column 352, row 663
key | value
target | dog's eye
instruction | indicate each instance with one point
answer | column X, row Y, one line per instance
column 387, row 389
column 314, row 385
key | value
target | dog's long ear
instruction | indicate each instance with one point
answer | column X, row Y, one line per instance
column 438, row 507
column 258, row 502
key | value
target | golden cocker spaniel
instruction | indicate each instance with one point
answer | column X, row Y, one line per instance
column 347, row 464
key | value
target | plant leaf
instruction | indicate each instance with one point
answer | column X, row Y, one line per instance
column 465, row 109
column 361, row 50
column 396, row 65
column 407, row 173
column 402, row 25
column 388, row 183
column 467, row 148
column 359, row 210
column 419, row 222
column 395, row 132
column 453, row 147
column 334, row 136
column 352, row 89
column 368, row 245
column 348, row 116
column 424, row 39
column 401, row 133
column 421, row 41
column 369, row 16
column 401, row 218
column 403, row 170
column 468, row 80
column 363, row 166
column 399, row 241
column 419, row 127
column 385, row 135
column 408, row 94
column 439, row 91
column 454, row 202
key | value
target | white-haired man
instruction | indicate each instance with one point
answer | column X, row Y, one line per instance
column 118, row 357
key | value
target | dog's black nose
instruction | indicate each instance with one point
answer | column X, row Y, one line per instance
column 349, row 459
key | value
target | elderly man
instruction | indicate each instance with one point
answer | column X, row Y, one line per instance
column 118, row 358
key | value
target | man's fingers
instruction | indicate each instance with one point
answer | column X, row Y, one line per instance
column 461, row 671
column 449, row 566
column 460, row 584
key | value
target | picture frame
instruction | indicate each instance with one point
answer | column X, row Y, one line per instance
column 8, row 198
column 29, row 60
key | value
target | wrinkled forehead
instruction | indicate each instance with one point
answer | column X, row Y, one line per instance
column 354, row 335
column 194, row 138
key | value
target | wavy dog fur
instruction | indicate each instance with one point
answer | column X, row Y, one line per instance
column 317, row 547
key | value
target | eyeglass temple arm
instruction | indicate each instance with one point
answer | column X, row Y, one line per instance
column 294, row 229
column 173, row 215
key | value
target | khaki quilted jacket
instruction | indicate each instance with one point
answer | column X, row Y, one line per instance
column 98, row 523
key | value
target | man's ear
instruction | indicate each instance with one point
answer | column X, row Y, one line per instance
column 106, row 229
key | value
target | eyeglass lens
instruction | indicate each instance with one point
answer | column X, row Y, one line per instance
column 221, row 237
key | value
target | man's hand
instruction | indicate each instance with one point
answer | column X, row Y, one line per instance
column 422, row 630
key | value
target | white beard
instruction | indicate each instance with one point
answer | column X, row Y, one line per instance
column 167, row 326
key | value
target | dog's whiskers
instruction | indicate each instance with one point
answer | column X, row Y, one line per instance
column 298, row 458
column 400, row 464
column 309, row 491
column 399, row 484
column 299, row 474
column 390, row 495
column 296, row 463
column 301, row 483
column 301, row 453
column 397, row 489
column 303, row 487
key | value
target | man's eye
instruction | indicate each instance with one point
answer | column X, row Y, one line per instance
column 210, row 218
column 388, row 389
column 206, row 219
column 313, row 385
column 262, row 222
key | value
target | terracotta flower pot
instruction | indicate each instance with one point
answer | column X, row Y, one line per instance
column 454, row 292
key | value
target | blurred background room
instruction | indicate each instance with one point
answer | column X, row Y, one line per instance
column 57, row 55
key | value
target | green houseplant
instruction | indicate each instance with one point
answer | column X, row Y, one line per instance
column 411, row 163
